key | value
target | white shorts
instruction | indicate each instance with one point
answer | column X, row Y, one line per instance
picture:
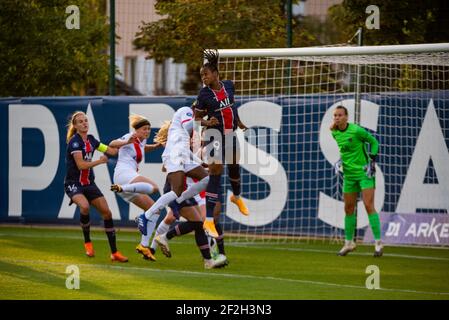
column 122, row 177
column 180, row 160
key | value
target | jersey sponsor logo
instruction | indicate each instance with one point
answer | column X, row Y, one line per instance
column 225, row 103
column 88, row 156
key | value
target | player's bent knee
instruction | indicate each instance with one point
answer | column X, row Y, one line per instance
column 84, row 209
column 349, row 210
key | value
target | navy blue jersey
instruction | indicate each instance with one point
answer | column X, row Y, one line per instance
column 77, row 144
column 220, row 104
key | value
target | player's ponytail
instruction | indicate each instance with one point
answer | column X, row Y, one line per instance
column 71, row 130
column 212, row 59
column 162, row 134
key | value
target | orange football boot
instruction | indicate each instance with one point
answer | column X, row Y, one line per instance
column 90, row 252
column 118, row 257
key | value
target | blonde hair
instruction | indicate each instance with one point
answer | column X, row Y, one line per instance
column 71, row 130
column 136, row 119
column 162, row 134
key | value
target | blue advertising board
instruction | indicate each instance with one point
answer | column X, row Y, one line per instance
column 287, row 179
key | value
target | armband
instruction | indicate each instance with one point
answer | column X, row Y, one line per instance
column 102, row 147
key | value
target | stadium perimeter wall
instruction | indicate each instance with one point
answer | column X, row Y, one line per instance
column 414, row 159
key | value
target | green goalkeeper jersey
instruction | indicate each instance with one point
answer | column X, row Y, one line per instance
column 353, row 152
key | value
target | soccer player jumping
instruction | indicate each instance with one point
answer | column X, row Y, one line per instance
column 359, row 176
column 216, row 100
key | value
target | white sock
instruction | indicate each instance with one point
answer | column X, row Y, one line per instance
column 163, row 200
column 145, row 240
column 161, row 229
column 193, row 190
column 138, row 187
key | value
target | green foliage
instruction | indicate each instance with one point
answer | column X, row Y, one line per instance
column 401, row 22
column 41, row 57
column 190, row 26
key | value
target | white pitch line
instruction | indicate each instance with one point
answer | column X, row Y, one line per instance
column 233, row 244
column 227, row 275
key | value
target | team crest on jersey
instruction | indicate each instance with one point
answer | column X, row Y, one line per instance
column 75, row 144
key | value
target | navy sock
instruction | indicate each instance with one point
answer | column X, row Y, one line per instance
column 110, row 232
column 201, row 240
column 234, row 178
column 213, row 194
column 180, row 229
column 85, row 226
column 220, row 239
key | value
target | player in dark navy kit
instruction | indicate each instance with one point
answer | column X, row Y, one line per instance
column 79, row 181
column 216, row 101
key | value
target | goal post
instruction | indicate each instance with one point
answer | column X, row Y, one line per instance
column 286, row 96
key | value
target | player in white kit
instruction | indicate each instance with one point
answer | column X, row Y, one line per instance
column 179, row 162
column 128, row 183
column 192, row 212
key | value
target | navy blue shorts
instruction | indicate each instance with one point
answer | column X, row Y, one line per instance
column 221, row 149
column 91, row 191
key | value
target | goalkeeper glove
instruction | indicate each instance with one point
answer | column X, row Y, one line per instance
column 338, row 167
column 370, row 168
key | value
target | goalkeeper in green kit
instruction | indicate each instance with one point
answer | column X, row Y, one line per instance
column 359, row 176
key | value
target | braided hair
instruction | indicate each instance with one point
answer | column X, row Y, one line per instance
column 212, row 59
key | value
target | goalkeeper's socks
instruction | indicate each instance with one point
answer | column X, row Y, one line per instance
column 201, row 240
column 213, row 194
column 349, row 226
column 220, row 239
column 110, row 232
column 180, row 229
column 85, row 226
column 374, row 222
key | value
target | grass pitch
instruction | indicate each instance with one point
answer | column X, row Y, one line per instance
column 33, row 264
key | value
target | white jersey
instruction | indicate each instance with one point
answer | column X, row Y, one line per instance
column 180, row 131
column 177, row 155
column 130, row 155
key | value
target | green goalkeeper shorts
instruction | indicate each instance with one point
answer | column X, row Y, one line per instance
column 357, row 185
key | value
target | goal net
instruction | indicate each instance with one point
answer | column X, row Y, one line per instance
column 286, row 96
